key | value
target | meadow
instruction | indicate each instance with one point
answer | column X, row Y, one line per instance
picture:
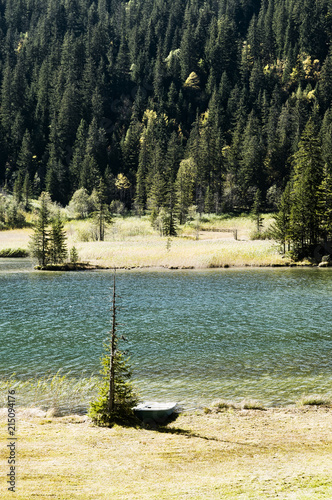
column 230, row 454
column 132, row 242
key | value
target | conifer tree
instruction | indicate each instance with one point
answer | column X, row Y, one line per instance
column 57, row 241
column 256, row 210
column 185, row 186
column 307, row 177
column 18, row 187
column 280, row 230
column 324, row 207
column 102, row 214
column 39, row 243
column 116, row 397
column 26, row 191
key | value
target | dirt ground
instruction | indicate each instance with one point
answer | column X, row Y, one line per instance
column 283, row 453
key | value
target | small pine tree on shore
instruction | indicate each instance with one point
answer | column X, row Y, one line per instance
column 73, row 255
column 116, row 397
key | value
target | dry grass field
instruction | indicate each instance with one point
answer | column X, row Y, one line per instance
column 132, row 242
column 236, row 454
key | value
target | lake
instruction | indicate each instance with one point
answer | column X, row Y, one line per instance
column 192, row 335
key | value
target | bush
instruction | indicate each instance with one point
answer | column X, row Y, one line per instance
column 117, row 207
column 87, row 233
column 260, row 235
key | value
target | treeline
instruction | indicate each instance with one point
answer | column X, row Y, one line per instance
column 168, row 103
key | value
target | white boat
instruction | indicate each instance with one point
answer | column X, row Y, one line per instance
column 154, row 411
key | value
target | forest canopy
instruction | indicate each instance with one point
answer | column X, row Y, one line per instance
column 171, row 103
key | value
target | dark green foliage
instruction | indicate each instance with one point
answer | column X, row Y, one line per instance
column 13, row 253
column 91, row 90
column 48, row 242
column 125, row 398
column 256, row 211
column 304, row 219
column 57, row 244
column 280, row 230
column 308, row 175
column 102, row 214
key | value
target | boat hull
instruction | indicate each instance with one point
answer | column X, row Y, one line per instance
column 156, row 412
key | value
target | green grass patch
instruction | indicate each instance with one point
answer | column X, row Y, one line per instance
column 13, row 252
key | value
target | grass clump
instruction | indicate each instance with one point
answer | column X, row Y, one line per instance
column 13, row 252
column 314, row 400
column 251, row 404
column 222, row 404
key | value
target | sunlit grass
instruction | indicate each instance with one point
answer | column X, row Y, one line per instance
column 15, row 238
column 230, row 455
column 133, row 242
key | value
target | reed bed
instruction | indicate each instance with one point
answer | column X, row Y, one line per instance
column 62, row 393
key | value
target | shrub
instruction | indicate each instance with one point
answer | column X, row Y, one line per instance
column 260, row 235
column 73, row 255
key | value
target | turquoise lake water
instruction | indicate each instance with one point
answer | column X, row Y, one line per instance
column 193, row 336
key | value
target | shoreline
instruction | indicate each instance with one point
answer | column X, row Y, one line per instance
column 90, row 266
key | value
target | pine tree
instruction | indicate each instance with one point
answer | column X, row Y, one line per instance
column 57, row 241
column 280, row 230
column 324, row 206
column 77, row 159
column 116, row 397
column 102, row 214
column 26, row 191
column 185, row 186
column 39, row 243
column 307, row 177
column 18, row 187
column 256, row 210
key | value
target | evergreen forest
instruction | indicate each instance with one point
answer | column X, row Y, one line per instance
column 169, row 104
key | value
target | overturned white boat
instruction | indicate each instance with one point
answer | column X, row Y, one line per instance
column 158, row 412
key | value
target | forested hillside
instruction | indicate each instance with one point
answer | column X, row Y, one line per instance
column 170, row 102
